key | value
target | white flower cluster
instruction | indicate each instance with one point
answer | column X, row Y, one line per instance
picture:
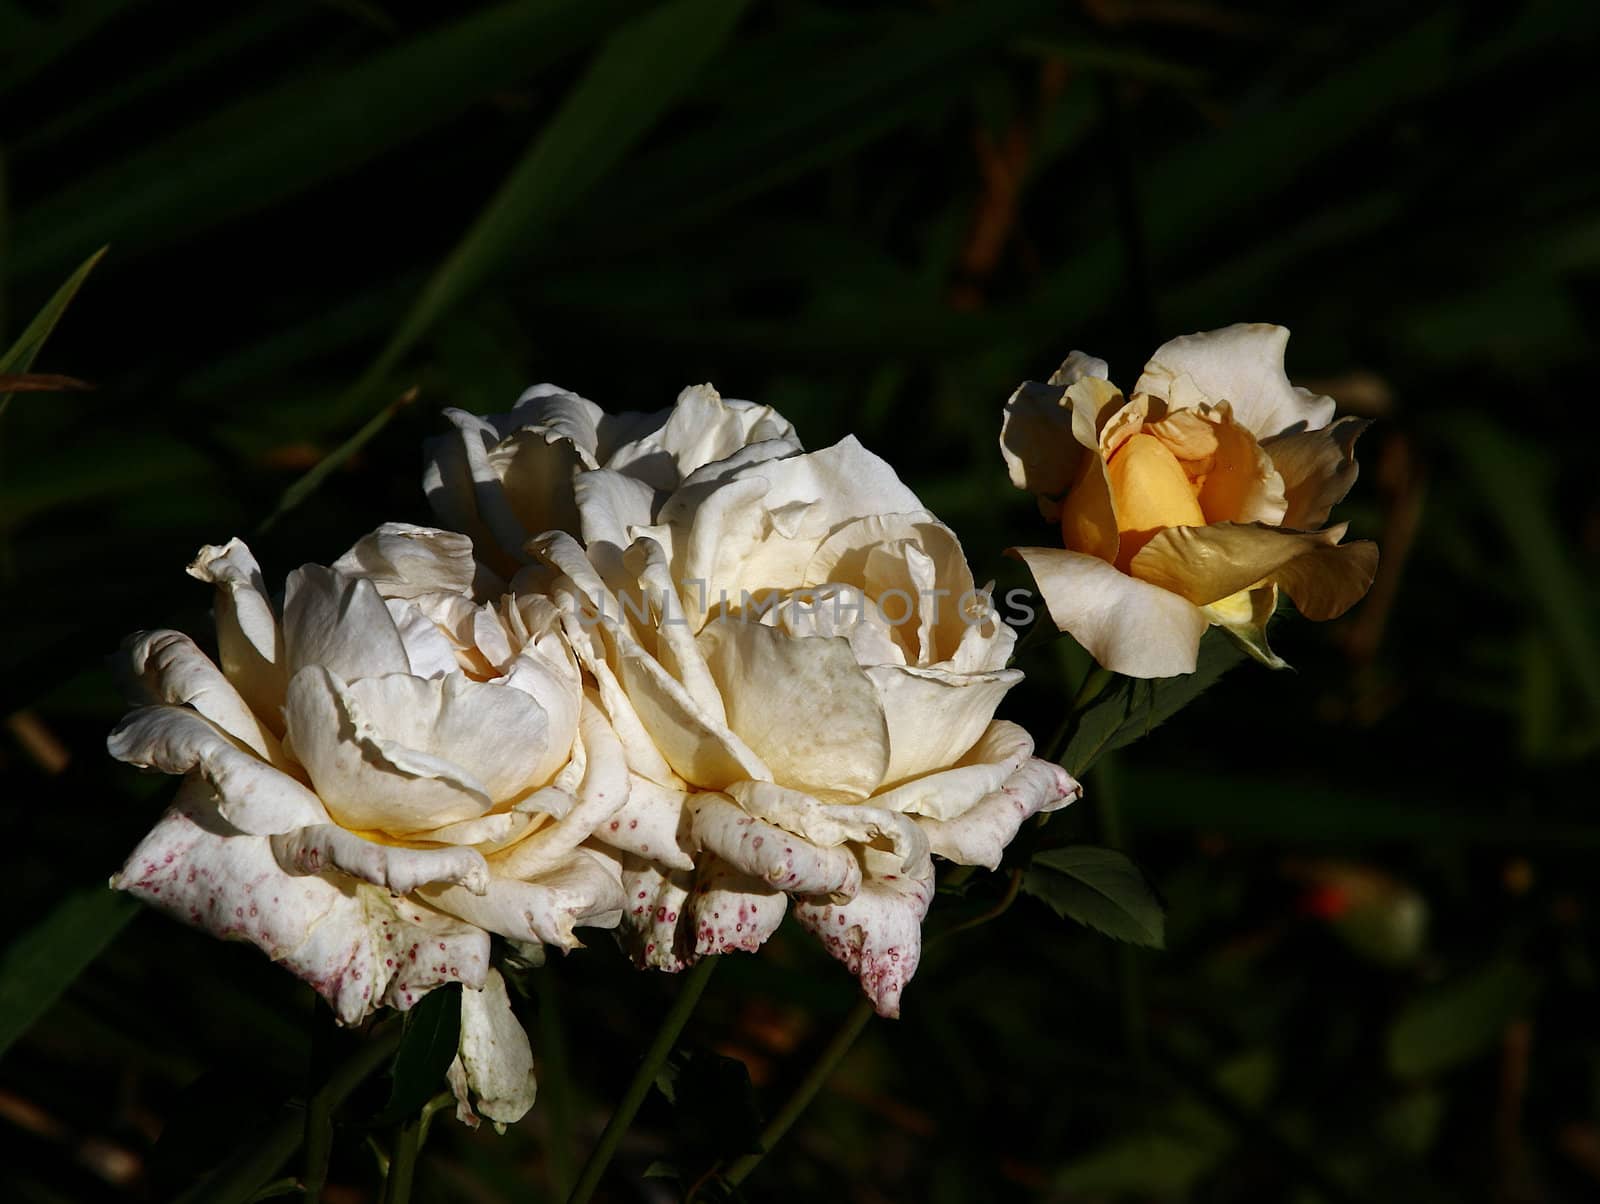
column 665, row 673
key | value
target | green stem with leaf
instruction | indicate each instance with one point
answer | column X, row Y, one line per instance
column 694, row 985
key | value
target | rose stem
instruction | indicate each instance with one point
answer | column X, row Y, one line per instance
column 694, row 984
column 808, row 1088
column 403, row 1160
column 862, row 1012
column 555, row 1086
column 243, row 1178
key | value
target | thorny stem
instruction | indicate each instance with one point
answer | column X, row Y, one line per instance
column 694, row 984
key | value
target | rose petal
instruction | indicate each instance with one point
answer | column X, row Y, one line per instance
column 373, row 780
column 1206, row 564
column 1245, row 616
column 914, row 554
column 1036, row 439
column 653, row 824
column 829, row 825
column 950, row 792
column 1129, row 626
column 701, row 428
column 980, row 835
column 170, row 669
column 428, row 647
column 1318, row 467
column 464, row 491
column 609, row 503
column 802, row 705
column 760, row 529
column 340, row 623
column 780, row 859
column 1242, row 365
column 877, row 934
column 406, row 561
column 583, row 890
column 934, row 717
column 249, row 640
column 494, row 1063
column 731, row 910
column 321, row 847
column 600, row 794
column 253, row 796
column 667, row 734
column 353, row 943
column 655, row 919
column 1327, row 581
column 1080, row 365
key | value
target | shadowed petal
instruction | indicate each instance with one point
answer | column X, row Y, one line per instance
column 1318, row 469
column 493, row 1068
column 249, row 638
column 169, row 668
column 877, row 934
column 253, row 796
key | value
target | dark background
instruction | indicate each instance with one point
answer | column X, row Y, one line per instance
column 1380, row 980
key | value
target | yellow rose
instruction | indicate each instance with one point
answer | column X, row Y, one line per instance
column 1190, row 503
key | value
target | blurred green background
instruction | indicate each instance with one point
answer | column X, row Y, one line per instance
column 1380, row 980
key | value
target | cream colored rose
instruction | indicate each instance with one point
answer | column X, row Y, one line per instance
column 803, row 676
column 504, row 478
column 1191, row 502
column 376, row 781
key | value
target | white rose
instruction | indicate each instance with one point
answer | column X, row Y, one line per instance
column 377, row 781
column 505, row 478
column 803, row 676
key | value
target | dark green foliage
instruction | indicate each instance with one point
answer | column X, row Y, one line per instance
column 1100, row 888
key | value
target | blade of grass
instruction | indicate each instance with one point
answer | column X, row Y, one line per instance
column 19, row 358
column 1511, row 479
column 272, row 146
column 640, row 73
column 45, row 960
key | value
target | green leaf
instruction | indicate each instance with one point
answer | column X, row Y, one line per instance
column 1100, row 888
column 1458, row 1021
column 19, row 358
column 44, row 961
column 1132, row 707
column 640, row 73
column 432, row 1038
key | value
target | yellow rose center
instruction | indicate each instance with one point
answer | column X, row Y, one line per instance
column 1149, row 491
